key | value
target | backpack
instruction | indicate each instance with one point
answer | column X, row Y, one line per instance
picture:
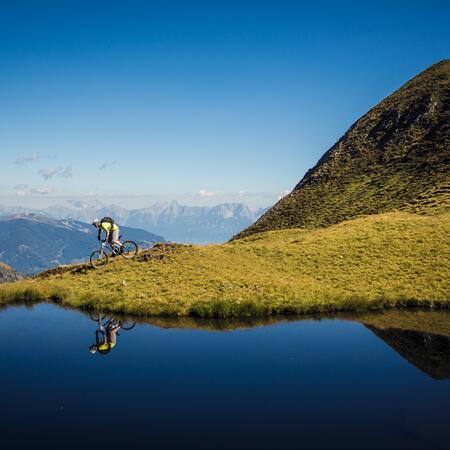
column 107, row 219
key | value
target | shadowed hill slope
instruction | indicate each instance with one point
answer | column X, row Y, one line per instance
column 395, row 157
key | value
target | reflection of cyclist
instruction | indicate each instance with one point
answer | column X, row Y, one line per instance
column 106, row 338
column 109, row 227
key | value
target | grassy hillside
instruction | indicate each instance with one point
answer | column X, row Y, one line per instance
column 396, row 156
column 393, row 259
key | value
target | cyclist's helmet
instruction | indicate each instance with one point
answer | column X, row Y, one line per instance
column 96, row 223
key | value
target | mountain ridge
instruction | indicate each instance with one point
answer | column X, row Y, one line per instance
column 174, row 221
column 385, row 161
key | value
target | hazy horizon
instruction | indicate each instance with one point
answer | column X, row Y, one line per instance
column 255, row 202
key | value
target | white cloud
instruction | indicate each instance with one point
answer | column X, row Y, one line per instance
column 241, row 193
column 43, row 191
column 22, row 190
column 63, row 172
column 20, row 193
column 205, row 193
column 23, row 159
column 283, row 194
column 48, row 173
column 67, row 172
column 107, row 165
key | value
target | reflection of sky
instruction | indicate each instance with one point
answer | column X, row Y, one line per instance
column 194, row 96
column 334, row 383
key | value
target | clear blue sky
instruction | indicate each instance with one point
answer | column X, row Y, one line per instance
column 194, row 100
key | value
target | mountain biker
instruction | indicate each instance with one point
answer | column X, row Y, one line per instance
column 110, row 228
column 106, row 340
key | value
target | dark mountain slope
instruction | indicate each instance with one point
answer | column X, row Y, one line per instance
column 395, row 156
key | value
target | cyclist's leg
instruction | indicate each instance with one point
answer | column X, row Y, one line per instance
column 115, row 238
column 112, row 242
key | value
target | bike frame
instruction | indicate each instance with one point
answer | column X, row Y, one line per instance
column 107, row 246
column 127, row 249
column 102, row 324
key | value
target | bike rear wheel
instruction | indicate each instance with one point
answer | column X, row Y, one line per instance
column 99, row 259
column 129, row 249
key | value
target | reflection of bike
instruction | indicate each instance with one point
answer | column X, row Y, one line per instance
column 104, row 322
column 99, row 258
column 107, row 332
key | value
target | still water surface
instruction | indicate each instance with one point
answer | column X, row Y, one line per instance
column 370, row 382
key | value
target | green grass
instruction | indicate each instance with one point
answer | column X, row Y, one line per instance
column 387, row 260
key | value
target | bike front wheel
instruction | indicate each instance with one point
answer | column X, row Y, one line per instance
column 126, row 325
column 96, row 317
column 129, row 249
column 99, row 259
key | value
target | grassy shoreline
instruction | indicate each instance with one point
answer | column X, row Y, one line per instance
column 435, row 321
column 381, row 261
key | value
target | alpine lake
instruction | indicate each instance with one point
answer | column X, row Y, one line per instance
column 378, row 380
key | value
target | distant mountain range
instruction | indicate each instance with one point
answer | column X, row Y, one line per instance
column 179, row 223
column 31, row 243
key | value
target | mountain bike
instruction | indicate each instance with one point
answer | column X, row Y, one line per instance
column 100, row 258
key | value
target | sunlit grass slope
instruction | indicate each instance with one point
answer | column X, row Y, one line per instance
column 394, row 259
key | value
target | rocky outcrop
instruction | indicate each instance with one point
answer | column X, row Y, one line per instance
column 7, row 274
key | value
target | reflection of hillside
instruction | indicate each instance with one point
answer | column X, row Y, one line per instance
column 421, row 337
column 425, row 321
column 428, row 352
column 219, row 324
column 197, row 323
column 433, row 322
